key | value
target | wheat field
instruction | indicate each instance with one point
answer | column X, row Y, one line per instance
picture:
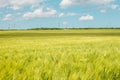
column 92, row 54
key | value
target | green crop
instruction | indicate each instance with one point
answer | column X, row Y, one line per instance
column 60, row 54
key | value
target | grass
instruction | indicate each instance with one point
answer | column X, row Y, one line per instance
column 60, row 54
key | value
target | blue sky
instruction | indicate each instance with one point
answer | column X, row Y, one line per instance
column 22, row 14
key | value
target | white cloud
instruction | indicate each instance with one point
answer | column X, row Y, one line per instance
column 86, row 17
column 68, row 3
column 67, row 14
column 61, row 15
column 72, row 14
column 65, row 23
column 103, row 10
column 7, row 17
column 17, row 4
column 3, row 3
column 48, row 12
column 15, row 7
column 113, row 6
column 109, row 6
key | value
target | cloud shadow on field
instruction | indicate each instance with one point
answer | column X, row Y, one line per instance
column 55, row 34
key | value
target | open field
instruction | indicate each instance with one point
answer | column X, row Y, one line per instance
column 91, row 54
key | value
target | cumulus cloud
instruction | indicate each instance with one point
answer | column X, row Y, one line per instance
column 48, row 12
column 7, row 17
column 68, row 3
column 17, row 4
column 86, row 17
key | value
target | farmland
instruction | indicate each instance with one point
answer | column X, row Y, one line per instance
column 92, row 54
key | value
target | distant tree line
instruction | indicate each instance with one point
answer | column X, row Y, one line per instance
column 67, row 28
column 60, row 28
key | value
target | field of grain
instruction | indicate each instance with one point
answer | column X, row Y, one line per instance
column 92, row 54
